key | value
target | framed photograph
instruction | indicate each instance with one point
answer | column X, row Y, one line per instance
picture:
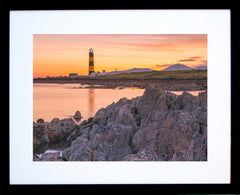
column 120, row 97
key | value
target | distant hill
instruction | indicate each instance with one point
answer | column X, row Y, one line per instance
column 177, row 67
column 131, row 71
column 200, row 67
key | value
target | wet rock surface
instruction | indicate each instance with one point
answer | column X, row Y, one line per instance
column 158, row 126
column 47, row 134
column 49, row 156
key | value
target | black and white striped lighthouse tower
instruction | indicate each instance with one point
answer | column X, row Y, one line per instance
column 91, row 61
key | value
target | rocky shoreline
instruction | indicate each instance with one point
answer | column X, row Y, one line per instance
column 158, row 126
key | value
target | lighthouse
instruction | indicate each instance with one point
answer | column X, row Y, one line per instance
column 91, row 61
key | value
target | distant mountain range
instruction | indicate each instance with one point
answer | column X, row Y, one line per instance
column 174, row 67
column 200, row 67
column 177, row 67
column 131, row 70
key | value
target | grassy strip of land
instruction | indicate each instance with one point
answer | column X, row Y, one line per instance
column 162, row 74
column 183, row 74
column 171, row 80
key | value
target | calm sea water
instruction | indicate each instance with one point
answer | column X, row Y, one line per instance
column 62, row 101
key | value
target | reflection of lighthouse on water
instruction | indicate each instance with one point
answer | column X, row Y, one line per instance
column 91, row 102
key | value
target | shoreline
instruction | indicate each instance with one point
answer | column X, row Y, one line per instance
column 174, row 84
column 192, row 92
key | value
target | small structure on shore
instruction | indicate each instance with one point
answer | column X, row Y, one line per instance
column 73, row 74
column 103, row 72
column 92, row 74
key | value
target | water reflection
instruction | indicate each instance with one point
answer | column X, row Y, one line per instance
column 62, row 101
column 91, row 101
column 195, row 93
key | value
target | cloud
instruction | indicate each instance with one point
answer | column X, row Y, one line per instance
column 186, row 60
column 163, row 65
column 203, row 63
column 191, row 59
column 195, row 57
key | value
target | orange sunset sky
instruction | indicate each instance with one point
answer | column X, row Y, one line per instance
column 61, row 54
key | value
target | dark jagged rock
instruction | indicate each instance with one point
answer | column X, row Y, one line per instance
column 40, row 138
column 58, row 129
column 40, row 121
column 47, row 133
column 77, row 116
column 171, row 123
column 107, row 136
column 144, row 154
column 157, row 126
